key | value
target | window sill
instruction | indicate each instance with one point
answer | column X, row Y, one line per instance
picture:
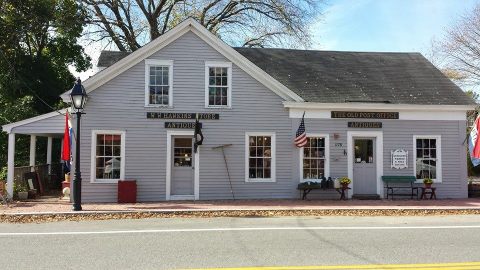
column 260, row 180
column 159, row 106
column 218, row 107
column 105, row 181
column 435, row 181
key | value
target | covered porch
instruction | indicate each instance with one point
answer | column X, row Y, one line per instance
column 50, row 126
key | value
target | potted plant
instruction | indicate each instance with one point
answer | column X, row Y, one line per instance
column 345, row 181
column 427, row 182
column 21, row 191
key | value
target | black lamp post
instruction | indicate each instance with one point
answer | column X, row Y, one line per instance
column 78, row 96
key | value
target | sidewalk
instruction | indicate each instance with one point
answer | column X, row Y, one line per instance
column 54, row 206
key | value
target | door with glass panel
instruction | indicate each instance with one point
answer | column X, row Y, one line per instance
column 182, row 182
column 364, row 166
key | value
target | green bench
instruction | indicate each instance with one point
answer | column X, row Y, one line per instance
column 398, row 182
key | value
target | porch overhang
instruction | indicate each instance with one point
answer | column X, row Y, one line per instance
column 49, row 125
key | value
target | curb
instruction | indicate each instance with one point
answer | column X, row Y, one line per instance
column 208, row 213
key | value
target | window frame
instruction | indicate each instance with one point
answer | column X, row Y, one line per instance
column 214, row 64
column 327, row 156
column 438, row 138
column 93, row 177
column 273, row 142
column 152, row 63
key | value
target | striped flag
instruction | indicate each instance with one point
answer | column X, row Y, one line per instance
column 474, row 143
column 301, row 136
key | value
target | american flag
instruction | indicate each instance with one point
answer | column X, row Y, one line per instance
column 301, row 136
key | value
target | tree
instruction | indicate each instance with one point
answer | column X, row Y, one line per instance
column 129, row 24
column 458, row 53
column 38, row 42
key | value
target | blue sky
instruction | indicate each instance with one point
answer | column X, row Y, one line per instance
column 386, row 25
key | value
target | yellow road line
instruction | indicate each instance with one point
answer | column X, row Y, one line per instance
column 434, row 266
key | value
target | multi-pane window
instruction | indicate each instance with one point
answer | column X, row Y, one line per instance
column 314, row 158
column 159, row 85
column 158, row 82
column 260, row 157
column 426, row 158
column 108, row 155
column 218, row 86
column 182, row 152
column 218, row 83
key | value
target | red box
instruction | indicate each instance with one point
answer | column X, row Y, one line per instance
column 127, row 191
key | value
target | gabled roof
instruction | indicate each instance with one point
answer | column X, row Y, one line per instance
column 8, row 127
column 347, row 77
column 190, row 24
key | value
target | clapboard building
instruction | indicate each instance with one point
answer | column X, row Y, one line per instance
column 366, row 115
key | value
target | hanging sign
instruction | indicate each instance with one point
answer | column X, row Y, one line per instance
column 182, row 125
column 399, row 159
column 370, row 115
column 365, row 124
column 165, row 115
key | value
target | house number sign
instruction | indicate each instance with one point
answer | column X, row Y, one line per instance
column 399, row 159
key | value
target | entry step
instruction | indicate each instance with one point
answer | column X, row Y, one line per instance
column 366, row 197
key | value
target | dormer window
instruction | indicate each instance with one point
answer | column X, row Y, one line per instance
column 158, row 83
column 218, row 84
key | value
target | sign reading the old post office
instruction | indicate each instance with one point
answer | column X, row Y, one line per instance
column 368, row 115
column 365, row 124
column 186, row 116
column 182, row 125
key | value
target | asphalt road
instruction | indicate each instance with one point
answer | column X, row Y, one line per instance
column 240, row 242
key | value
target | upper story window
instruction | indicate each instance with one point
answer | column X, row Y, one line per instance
column 427, row 157
column 158, row 83
column 260, row 157
column 108, row 156
column 218, row 84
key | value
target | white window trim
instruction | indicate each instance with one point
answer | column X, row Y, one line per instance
column 327, row 156
column 439, row 156
column 151, row 63
column 247, row 156
column 228, row 65
column 93, row 178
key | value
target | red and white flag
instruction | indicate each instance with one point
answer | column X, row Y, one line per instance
column 66, row 141
column 301, row 136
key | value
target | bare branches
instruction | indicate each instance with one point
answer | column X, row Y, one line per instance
column 459, row 51
column 257, row 23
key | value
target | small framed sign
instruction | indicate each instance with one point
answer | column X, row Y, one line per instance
column 399, row 159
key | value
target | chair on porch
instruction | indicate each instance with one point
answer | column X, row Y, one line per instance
column 3, row 193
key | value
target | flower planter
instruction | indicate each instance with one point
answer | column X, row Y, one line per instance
column 428, row 185
column 22, row 195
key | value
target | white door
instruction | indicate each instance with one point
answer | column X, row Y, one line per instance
column 364, row 166
column 182, row 181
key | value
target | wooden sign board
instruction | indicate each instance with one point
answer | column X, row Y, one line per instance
column 186, row 116
column 365, row 124
column 399, row 159
column 367, row 115
column 181, row 125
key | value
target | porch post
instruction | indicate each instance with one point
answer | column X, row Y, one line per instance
column 49, row 154
column 33, row 147
column 10, row 164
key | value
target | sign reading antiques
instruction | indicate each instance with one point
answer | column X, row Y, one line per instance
column 399, row 159
column 182, row 125
column 369, row 115
column 365, row 124
column 187, row 116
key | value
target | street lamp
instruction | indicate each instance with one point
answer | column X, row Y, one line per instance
column 78, row 96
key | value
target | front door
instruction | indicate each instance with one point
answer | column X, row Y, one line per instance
column 364, row 167
column 182, row 166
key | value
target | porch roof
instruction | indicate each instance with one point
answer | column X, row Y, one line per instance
column 50, row 124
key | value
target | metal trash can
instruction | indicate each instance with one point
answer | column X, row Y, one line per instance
column 127, row 191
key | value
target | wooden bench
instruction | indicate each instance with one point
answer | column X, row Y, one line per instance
column 307, row 187
column 395, row 182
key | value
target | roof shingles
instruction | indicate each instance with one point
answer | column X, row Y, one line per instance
column 339, row 77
